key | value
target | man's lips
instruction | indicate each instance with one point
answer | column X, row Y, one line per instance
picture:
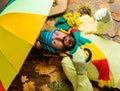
column 65, row 39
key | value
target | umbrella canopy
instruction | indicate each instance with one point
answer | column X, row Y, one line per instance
column 20, row 24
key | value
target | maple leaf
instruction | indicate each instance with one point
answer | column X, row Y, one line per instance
column 44, row 87
column 104, row 5
column 54, row 76
column 110, row 1
column 29, row 86
column 50, row 24
column 70, row 2
column 49, row 69
column 118, row 33
column 55, row 62
column 44, row 68
column 24, row 79
column 116, row 16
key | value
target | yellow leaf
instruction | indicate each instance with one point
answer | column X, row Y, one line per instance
column 118, row 33
column 54, row 76
column 26, row 87
column 44, row 68
column 29, row 86
column 44, row 87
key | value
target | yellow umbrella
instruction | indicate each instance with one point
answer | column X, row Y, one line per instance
column 20, row 23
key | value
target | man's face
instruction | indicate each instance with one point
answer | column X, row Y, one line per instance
column 62, row 41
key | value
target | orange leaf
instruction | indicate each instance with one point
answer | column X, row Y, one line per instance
column 54, row 76
column 104, row 5
column 116, row 15
column 44, row 87
column 118, row 33
column 70, row 2
column 29, row 86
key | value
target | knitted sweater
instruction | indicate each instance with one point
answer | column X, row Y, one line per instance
column 81, row 82
column 98, row 58
column 111, row 50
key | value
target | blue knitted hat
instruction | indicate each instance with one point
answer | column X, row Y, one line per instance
column 46, row 36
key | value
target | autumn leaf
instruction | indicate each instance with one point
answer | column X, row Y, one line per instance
column 44, row 88
column 110, row 1
column 116, row 16
column 29, row 86
column 49, row 25
column 104, row 5
column 50, row 68
column 54, row 76
column 24, row 79
column 55, row 61
column 70, row 2
column 44, row 68
column 118, row 33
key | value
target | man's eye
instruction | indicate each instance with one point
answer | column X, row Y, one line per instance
column 56, row 33
column 54, row 42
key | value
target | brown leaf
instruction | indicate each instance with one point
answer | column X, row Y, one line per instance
column 44, row 68
column 110, row 1
column 118, row 33
column 70, row 2
column 104, row 5
column 49, row 25
column 116, row 16
column 55, row 61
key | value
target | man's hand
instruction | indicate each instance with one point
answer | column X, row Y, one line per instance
column 102, row 15
column 79, row 58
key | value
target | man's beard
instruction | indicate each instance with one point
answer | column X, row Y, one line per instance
column 70, row 44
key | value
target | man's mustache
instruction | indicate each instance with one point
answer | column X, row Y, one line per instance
column 62, row 40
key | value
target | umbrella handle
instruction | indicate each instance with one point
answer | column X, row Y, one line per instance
column 90, row 54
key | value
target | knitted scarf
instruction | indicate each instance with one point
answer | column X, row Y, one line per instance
column 98, row 58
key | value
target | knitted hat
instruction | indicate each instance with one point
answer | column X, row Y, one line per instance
column 46, row 37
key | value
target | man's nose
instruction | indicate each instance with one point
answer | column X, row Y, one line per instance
column 59, row 39
column 56, row 37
